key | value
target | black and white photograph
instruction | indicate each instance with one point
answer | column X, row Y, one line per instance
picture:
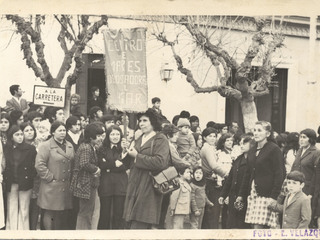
column 160, row 120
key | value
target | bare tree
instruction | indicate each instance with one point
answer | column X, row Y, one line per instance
column 263, row 45
column 76, row 37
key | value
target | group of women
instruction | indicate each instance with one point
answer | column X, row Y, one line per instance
column 242, row 175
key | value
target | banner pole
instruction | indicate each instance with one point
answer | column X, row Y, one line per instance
column 125, row 124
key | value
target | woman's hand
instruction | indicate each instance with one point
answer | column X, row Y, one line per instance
column 226, row 201
column 197, row 213
column 132, row 152
column 220, row 200
column 118, row 163
column 125, row 145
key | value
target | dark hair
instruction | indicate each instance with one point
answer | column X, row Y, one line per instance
column 91, row 131
column 93, row 111
column 152, row 118
column 207, row 131
column 292, row 142
column 281, row 140
column 55, row 125
column 222, row 140
column 311, row 134
column 296, row 176
column 13, row 88
column 71, row 121
column 185, row 114
column 26, row 124
column 12, row 130
column 193, row 118
column 182, row 169
column 15, row 115
column 237, row 137
column 107, row 117
column 211, row 124
column 93, row 89
column 155, row 99
column 6, row 116
column 32, row 115
column 247, row 137
column 169, row 129
column 106, row 141
column 175, row 120
column 50, row 113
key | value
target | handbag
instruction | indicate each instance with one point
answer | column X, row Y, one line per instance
column 167, row 180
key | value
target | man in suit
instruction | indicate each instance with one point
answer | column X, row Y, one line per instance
column 297, row 205
column 17, row 102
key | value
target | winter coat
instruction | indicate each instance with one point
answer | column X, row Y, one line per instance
column 142, row 202
column 315, row 191
column 266, row 170
column 54, row 168
column 198, row 197
column 180, row 199
column 113, row 180
column 296, row 214
column 231, row 189
column 85, row 165
column 307, row 164
column 26, row 169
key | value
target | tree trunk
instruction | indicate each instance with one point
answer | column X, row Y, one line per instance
column 249, row 113
column 67, row 103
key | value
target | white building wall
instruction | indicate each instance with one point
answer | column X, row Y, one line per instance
column 177, row 94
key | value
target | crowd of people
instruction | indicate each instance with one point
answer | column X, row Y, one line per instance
column 94, row 172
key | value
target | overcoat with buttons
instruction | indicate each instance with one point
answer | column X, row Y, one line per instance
column 54, row 168
column 231, row 189
column 143, row 204
column 306, row 164
column 26, row 170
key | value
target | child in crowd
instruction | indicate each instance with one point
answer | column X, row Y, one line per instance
column 75, row 104
column 195, row 159
column 180, row 199
column 186, row 144
column 198, row 198
column 297, row 206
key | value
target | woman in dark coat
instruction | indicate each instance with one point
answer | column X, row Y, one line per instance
column 151, row 153
column 236, row 213
column 307, row 157
column 18, row 176
column 264, row 178
column 112, row 191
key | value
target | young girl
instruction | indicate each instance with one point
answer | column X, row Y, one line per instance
column 114, row 180
column 198, row 198
column 18, row 176
column 180, row 199
column 195, row 159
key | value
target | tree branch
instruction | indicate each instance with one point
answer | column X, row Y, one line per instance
column 77, row 49
column 24, row 28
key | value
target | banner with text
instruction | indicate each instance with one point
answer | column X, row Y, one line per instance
column 126, row 72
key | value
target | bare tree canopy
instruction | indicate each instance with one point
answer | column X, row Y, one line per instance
column 263, row 45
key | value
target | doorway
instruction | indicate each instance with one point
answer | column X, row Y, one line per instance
column 271, row 107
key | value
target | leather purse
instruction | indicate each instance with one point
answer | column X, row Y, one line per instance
column 167, row 180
